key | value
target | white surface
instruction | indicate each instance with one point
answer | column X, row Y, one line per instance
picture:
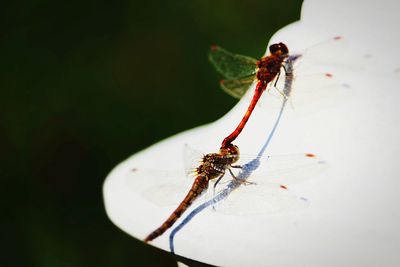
column 353, row 218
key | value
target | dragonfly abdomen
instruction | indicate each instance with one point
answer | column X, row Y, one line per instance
column 257, row 94
column 200, row 184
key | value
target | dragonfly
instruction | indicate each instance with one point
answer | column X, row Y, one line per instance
column 267, row 192
column 213, row 166
column 241, row 71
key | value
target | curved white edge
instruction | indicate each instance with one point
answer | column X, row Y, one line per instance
column 353, row 217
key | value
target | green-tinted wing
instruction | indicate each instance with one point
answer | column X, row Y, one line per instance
column 231, row 66
column 237, row 87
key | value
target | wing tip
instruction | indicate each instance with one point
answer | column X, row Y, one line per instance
column 213, row 47
column 283, row 187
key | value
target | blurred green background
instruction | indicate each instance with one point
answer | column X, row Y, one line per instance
column 84, row 85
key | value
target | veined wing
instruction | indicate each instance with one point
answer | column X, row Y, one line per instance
column 271, row 190
column 237, row 87
column 231, row 66
column 192, row 158
column 255, row 199
column 167, row 188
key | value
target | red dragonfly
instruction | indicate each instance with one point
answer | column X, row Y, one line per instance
column 213, row 166
column 240, row 71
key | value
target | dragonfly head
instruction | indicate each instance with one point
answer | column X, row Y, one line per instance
column 279, row 49
column 230, row 151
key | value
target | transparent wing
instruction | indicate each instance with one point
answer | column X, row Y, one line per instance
column 283, row 169
column 237, row 87
column 192, row 159
column 309, row 90
column 332, row 52
column 271, row 180
column 309, row 93
column 161, row 187
column 231, row 66
column 254, row 199
column 314, row 86
column 269, row 189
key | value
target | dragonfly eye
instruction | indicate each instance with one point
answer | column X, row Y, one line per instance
column 278, row 49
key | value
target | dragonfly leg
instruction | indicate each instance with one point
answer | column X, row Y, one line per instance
column 236, row 166
column 277, row 78
column 239, row 180
column 284, row 68
column 218, row 180
column 281, row 93
column 215, row 185
column 277, row 89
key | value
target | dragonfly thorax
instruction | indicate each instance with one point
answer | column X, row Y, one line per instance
column 269, row 67
column 215, row 164
column 230, row 153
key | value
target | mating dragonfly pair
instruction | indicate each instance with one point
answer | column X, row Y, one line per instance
column 239, row 72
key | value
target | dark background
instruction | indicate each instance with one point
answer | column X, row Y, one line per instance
column 85, row 84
